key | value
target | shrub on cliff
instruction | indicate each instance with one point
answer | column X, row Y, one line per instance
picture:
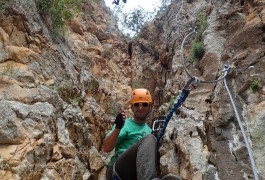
column 58, row 12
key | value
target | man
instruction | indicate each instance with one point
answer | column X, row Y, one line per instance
column 135, row 146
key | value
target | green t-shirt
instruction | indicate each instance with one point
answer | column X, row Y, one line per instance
column 129, row 134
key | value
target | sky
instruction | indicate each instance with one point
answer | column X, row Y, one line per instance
column 148, row 5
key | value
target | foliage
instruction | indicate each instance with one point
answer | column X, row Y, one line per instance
column 138, row 36
column 197, row 51
column 59, row 12
column 162, row 8
column 135, row 20
column 72, row 96
column 170, row 104
column 68, row 94
column 254, row 84
column 202, row 18
column 117, row 11
column 159, row 26
column 197, row 47
column 3, row 5
column 93, row 88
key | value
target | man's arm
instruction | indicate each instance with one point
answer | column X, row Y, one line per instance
column 110, row 141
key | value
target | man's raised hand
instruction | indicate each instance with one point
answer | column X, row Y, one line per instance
column 120, row 119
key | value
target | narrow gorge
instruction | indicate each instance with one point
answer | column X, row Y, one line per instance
column 60, row 90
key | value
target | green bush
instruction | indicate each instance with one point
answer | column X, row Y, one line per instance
column 254, row 84
column 197, row 47
column 197, row 51
column 202, row 18
column 159, row 26
column 203, row 21
column 170, row 104
column 59, row 12
column 68, row 94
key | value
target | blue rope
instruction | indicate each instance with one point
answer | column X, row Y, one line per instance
column 181, row 98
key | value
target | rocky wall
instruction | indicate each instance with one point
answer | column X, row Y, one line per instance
column 58, row 97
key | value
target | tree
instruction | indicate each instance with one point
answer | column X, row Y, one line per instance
column 135, row 20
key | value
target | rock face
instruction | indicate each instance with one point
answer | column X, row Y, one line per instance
column 59, row 96
column 204, row 139
column 52, row 125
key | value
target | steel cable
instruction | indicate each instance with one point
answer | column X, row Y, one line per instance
column 243, row 133
column 184, row 66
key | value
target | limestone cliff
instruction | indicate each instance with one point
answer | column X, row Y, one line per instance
column 59, row 96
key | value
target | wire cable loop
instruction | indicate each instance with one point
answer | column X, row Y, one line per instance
column 227, row 67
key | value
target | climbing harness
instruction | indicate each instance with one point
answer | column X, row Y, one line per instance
column 185, row 92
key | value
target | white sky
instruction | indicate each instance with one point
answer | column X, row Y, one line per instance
column 149, row 5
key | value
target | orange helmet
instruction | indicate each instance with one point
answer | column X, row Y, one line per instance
column 141, row 95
